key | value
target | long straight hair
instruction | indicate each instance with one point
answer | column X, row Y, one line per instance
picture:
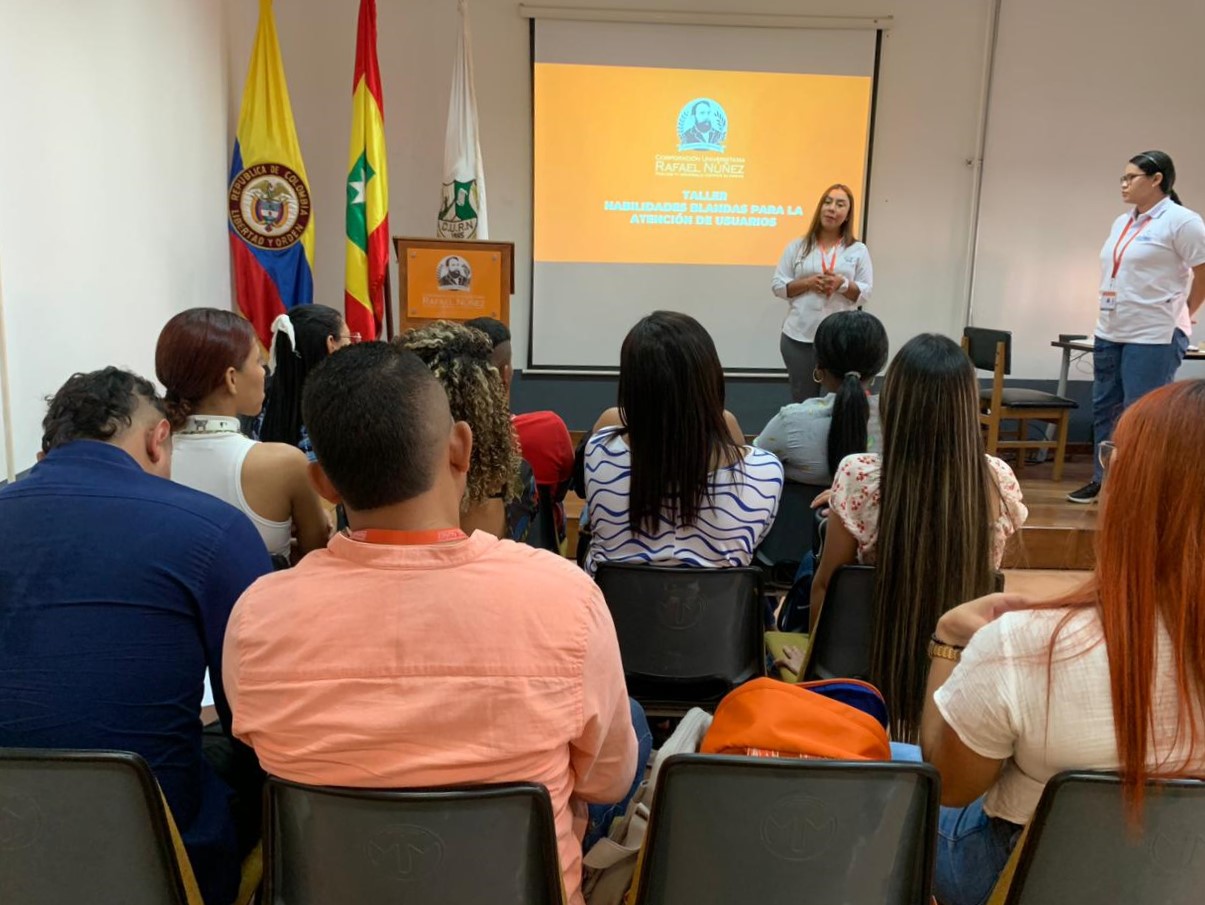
column 847, row 228
column 935, row 515
column 312, row 324
column 671, row 401
column 852, row 346
column 1150, row 572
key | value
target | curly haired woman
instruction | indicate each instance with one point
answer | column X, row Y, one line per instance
column 497, row 494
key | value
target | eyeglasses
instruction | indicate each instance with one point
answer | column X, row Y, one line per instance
column 1105, row 455
column 1127, row 178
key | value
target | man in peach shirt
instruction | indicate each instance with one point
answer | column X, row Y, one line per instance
column 406, row 654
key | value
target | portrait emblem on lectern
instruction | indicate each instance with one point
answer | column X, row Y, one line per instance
column 454, row 274
column 702, row 126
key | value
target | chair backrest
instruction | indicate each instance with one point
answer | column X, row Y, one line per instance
column 542, row 532
column 791, row 535
column 327, row 846
column 1081, row 851
column 840, row 646
column 981, row 344
column 797, row 832
column 84, row 826
column 684, row 633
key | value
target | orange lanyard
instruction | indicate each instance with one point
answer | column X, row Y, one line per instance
column 407, row 538
column 1119, row 250
column 828, row 266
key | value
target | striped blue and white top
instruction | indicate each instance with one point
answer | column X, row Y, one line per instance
column 732, row 522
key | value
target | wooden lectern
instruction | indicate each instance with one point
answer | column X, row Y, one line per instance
column 455, row 280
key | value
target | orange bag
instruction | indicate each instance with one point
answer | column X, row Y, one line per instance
column 768, row 718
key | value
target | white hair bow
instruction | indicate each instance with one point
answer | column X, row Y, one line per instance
column 282, row 324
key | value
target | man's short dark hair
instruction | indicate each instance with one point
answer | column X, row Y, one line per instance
column 494, row 329
column 97, row 405
column 371, row 415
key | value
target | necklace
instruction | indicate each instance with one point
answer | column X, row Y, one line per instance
column 209, row 424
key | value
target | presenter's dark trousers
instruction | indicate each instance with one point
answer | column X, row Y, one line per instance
column 800, row 359
column 1121, row 373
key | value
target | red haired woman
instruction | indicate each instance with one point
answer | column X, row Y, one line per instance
column 209, row 361
column 1111, row 677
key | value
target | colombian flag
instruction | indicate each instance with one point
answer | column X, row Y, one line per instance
column 367, row 188
column 271, row 226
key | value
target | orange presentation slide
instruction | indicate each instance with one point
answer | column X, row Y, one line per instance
column 677, row 166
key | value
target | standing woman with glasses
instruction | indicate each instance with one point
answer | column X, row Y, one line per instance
column 1152, row 283
column 301, row 340
column 822, row 272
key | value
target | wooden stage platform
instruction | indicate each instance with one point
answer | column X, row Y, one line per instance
column 1058, row 534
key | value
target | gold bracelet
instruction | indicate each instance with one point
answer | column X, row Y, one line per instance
column 942, row 651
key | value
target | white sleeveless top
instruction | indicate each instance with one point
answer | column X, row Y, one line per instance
column 207, row 455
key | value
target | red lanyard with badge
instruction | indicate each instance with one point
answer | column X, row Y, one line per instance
column 1108, row 296
column 829, row 265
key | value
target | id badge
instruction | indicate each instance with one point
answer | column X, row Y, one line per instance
column 1108, row 300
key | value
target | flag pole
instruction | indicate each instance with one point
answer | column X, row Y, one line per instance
column 389, row 332
column 6, row 405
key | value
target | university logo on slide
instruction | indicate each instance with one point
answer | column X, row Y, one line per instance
column 269, row 205
column 702, row 126
column 453, row 274
column 458, row 210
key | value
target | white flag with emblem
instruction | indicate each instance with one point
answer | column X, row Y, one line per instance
column 462, row 201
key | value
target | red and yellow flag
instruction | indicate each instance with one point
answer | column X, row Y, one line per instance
column 367, row 188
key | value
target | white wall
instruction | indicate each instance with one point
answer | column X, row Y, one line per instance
column 925, row 133
column 113, row 164
column 1079, row 88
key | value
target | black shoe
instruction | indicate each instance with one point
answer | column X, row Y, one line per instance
column 1086, row 494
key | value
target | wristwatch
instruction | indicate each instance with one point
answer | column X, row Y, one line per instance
column 943, row 651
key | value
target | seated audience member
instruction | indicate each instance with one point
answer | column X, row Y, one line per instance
column 544, row 439
column 115, row 589
column 932, row 512
column 812, row 437
column 407, row 654
column 501, row 497
column 209, row 361
column 300, row 340
column 1109, row 677
column 668, row 477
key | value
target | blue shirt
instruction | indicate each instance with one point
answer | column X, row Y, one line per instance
column 115, row 589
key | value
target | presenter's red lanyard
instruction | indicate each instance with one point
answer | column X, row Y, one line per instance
column 408, row 538
column 829, row 265
column 1120, row 250
column 1108, row 295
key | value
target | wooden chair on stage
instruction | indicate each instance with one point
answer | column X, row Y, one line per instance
column 991, row 350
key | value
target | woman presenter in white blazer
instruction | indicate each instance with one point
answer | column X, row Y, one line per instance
column 824, row 271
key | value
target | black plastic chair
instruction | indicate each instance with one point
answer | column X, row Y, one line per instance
column 542, row 532
column 789, row 832
column 1081, row 851
column 687, row 636
column 840, row 646
column 791, row 536
column 329, row 846
column 84, row 826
